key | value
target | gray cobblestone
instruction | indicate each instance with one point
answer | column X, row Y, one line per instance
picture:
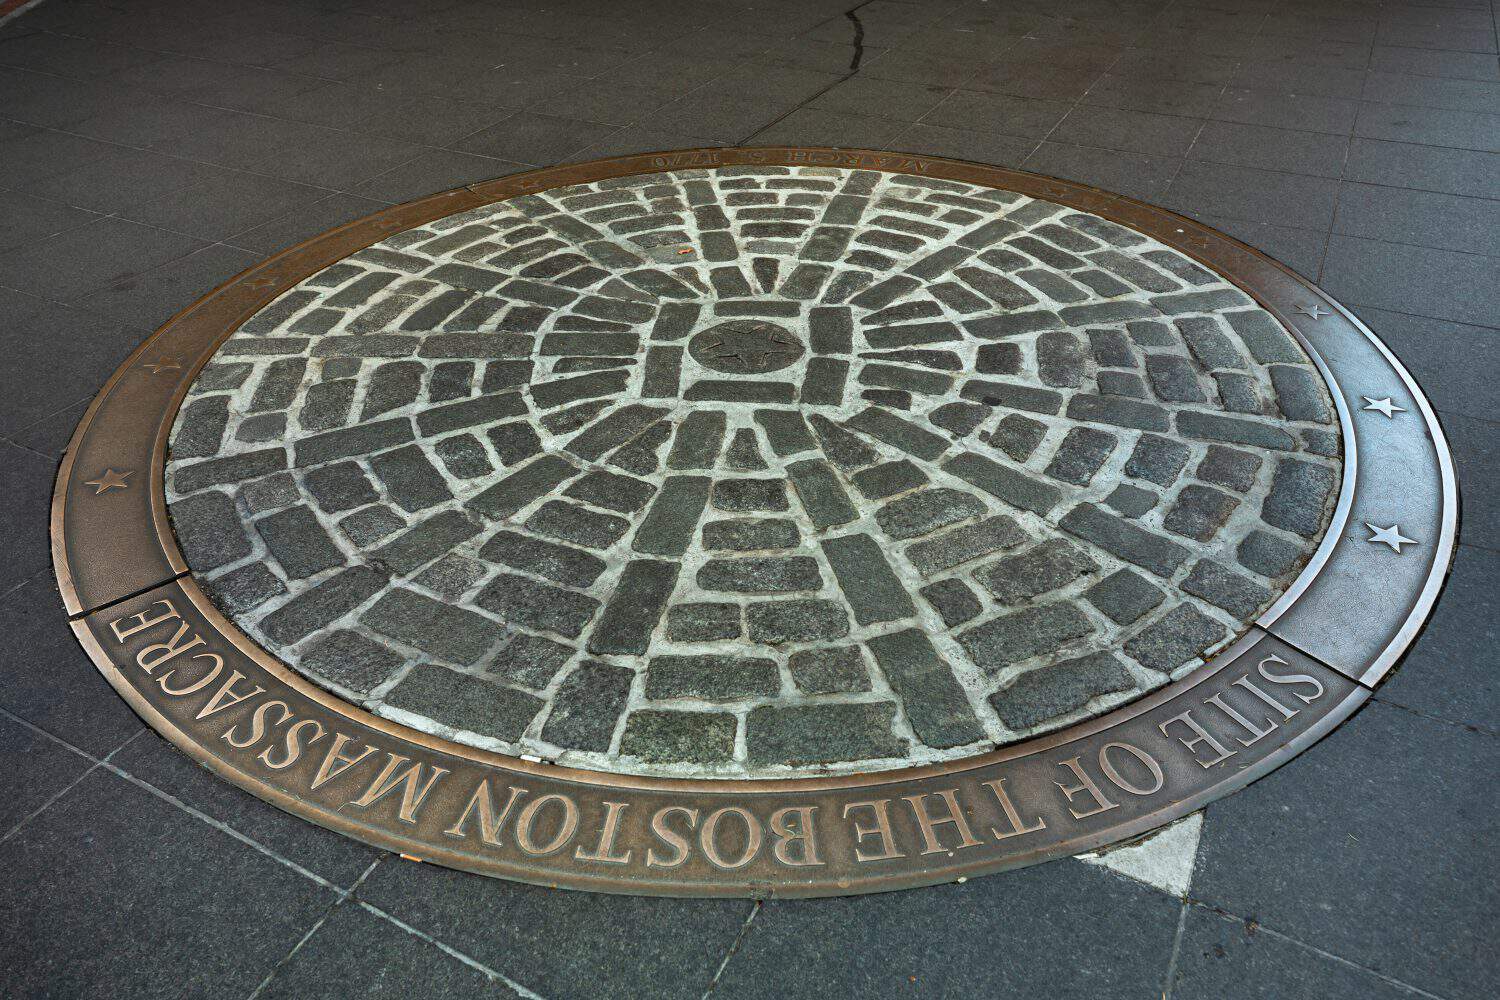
column 449, row 633
column 802, row 620
column 1039, row 570
column 1131, row 501
column 352, row 661
column 312, row 609
column 519, row 601
column 1019, row 489
column 1018, row 436
column 867, row 580
column 829, row 670
column 559, row 563
column 1157, row 459
column 635, row 607
column 760, row 574
column 1124, row 596
column 369, row 525
column 1082, row 452
column 451, row 575
column 750, row 495
column 821, row 494
column 209, row 531
column 1299, row 493
column 339, row 487
column 710, row 677
column 1121, row 538
column 888, row 479
column 575, row 523
column 934, row 702
column 1268, row 555
column 588, row 704
column 704, row 621
column 530, row 660
column 819, row 734
column 1057, row 689
column 244, row 589
column 464, row 702
column 1023, row 634
column 953, row 601
column 463, row 457
column 664, row 737
column 298, row 542
column 1179, row 636
column 1199, row 512
column 613, row 491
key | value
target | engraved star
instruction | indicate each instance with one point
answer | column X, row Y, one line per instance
column 162, row 365
column 1383, row 405
column 110, row 480
column 1389, row 536
column 1315, row 311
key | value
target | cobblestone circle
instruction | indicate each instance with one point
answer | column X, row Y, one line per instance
column 753, row 471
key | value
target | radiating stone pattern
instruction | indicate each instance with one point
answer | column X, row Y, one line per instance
column 1027, row 465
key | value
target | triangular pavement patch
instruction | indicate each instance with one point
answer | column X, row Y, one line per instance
column 1163, row 860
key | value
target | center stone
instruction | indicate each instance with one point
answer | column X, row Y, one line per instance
column 746, row 347
column 874, row 470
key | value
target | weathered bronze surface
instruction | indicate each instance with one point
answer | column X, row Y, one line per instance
column 1311, row 660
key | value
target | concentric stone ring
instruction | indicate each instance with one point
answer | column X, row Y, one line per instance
column 755, row 521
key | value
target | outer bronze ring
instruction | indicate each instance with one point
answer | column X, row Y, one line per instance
column 1302, row 668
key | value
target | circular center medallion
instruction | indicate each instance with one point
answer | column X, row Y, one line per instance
column 746, row 347
column 885, row 470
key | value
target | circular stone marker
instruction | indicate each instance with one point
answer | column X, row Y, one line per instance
column 754, row 521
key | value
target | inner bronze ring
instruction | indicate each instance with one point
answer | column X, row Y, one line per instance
column 199, row 681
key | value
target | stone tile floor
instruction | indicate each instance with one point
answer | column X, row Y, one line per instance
column 149, row 150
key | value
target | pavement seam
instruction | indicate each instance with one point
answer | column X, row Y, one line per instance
column 317, row 924
column 93, row 766
column 1255, row 926
column 1169, row 986
column 106, row 764
column 734, row 948
column 1238, row 65
column 453, row 953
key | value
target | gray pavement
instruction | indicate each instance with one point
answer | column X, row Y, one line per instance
column 150, row 150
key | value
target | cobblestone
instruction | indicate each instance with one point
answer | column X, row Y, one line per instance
column 1059, row 689
column 1046, row 567
column 821, row 734
column 1199, row 513
column 1299, row 493
column 805, row 620
column 209, row 531
column 935, row 704
column 352, row 661
column 710, row 677
column 1023, row 634
column 297, row 541
column 529, row 660
column 953, row 600
column 704, row 622
column 587, row 706
column 462, row 702
column 829, row 670
column 665, row 737
column 1124, row 596
column 452, row 634
column 1178, row 637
